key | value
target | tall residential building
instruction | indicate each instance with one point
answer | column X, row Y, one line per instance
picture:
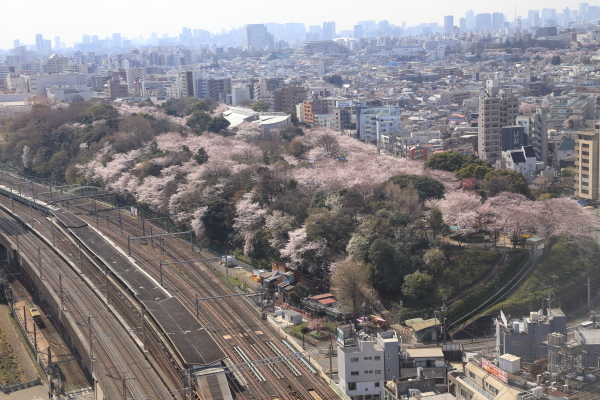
column 536, row 130
column 586, row 164
column 366, row 362
column 496, row 110
column 286, row 98
column 462, row 24
column 448, row 24
column 329, row 30
column 196, row 84
column 256, row 37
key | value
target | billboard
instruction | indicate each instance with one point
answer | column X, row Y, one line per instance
column 340, row 336
column 492, row 369
column 344, row 103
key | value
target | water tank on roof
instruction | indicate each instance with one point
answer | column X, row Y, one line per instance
column 534, row 316
column 516, row 326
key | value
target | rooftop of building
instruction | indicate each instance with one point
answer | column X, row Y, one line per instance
column 424, row 352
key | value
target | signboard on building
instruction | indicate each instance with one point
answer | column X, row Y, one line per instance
column 343, row 103
column 340, row 336
column 492, row 369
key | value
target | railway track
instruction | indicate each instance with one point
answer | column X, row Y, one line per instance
column 50, row 339
column 236, row 326
column 196, row 278
column 116, row 355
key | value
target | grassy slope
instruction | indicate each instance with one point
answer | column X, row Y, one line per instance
column 564, row 260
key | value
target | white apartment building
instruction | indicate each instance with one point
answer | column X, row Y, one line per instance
column 55, row 64
column 36, row 84
column 239, row 93
column 135, row 78
column 325, row 120
column 66, row 92
column 14, row 82
column 374, row 122
column 365, row 362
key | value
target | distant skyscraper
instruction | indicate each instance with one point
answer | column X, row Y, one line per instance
column 328, row 30
column 86, row 39
column 448, row 24
column 497, row 21
column 57, row 42
column 484, row 22
column 462, row 24
column 39, row 43
column 384, row 26
column 534, row 17
column 16, row 43
column 471, row 21
column 116, row 39
column 358, row 32
column 256, row 37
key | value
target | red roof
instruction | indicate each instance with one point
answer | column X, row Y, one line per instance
column 327, row 301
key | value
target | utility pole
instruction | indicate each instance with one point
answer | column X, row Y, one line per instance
column 40, row 262
column 62, row 292
column 143, row 312
column 90, row 334
column 330, row 355
column 106, row 284
column 160, row 270
column 80, row 261
column 35, row 340
column 589, row 296
column 444, row 309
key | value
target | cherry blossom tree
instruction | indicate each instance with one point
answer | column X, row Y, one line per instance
column 279, row 223
column 302, row 252
column 511, row 212
column 317, row 324
column 459, row 209
column 564, row 217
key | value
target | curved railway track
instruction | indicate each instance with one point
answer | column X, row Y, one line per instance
column 115, row 353
column 236, row 326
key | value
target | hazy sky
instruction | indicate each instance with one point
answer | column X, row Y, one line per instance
column 69, row 19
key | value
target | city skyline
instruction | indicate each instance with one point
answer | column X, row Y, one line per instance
column 132, row 21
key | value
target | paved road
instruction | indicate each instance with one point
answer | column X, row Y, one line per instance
column 33, row 393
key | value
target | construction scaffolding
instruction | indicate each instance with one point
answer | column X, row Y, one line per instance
column 563, row 357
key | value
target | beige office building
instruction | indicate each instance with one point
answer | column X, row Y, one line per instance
column 586, row 163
